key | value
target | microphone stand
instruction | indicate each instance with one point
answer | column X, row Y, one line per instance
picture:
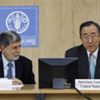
column 83, row 95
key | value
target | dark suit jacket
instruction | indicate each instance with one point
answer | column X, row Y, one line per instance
column 83, row 64
column 23, row 68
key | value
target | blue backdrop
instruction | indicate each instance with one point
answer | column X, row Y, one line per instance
column 22, row 19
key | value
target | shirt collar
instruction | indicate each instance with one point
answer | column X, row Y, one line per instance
column 5, row 61
column 94, row 53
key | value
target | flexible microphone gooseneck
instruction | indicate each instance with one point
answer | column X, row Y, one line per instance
column 83, row 95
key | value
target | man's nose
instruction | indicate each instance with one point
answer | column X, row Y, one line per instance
column 90, row 39
column 18, row 50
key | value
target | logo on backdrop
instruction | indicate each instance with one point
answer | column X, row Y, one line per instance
column 17, row 21
column 22, row 19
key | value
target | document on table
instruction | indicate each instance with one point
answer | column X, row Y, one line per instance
column 6, row 84
column 17, row 86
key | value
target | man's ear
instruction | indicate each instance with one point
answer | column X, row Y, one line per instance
column 2, row 48
column 81, row 38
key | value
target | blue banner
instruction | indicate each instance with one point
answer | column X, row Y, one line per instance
column 22, row 19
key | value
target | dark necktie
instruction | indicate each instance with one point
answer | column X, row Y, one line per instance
column 92, row 66
column 9, row 73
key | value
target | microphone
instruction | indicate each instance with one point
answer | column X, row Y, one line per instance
column 83, row 95
column 90, row 54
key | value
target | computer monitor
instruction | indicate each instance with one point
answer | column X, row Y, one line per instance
column 53, row 71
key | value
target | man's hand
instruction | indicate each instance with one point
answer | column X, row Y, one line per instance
column 16, row 81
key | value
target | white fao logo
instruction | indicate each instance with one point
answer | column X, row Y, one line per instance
column 17, row 21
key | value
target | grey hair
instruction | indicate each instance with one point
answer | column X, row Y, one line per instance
column 8, row 37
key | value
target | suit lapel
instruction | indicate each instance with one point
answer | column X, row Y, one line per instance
column 84, row 64
column 1, row 67
column 97, row 74
column 19, row 69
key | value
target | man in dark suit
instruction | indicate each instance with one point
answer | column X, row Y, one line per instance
column 21, row 67
column 90, row 38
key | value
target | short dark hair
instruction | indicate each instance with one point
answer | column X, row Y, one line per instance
column 88, row 23
column 8, row 37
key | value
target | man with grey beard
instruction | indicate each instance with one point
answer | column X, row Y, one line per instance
column 21, row 67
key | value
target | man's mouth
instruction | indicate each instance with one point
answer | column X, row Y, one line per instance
column 90, row 46
column 16, row 55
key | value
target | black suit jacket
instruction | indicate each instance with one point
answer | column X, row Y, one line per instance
column 23, row 70
column 83, row 64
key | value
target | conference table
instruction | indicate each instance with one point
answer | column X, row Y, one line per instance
column 29, row 92
column 69, row 94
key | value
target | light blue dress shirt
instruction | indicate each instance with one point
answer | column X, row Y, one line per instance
column 95, row 55
column 5, row 67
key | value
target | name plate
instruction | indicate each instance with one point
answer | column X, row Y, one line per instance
column 87, row 84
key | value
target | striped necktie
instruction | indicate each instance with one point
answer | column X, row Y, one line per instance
column 92, row 66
